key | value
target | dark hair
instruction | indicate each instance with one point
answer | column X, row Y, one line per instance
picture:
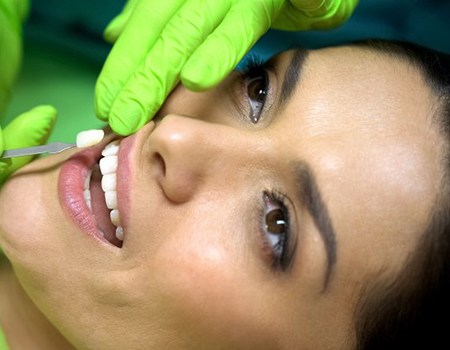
column 413, row 310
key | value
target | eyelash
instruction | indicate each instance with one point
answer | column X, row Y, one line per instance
column 278, row 253
column 252, row 70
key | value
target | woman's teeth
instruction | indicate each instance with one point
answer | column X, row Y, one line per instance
column 108, row 169
column 89, row 138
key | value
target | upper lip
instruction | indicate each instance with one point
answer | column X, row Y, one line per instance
column 129, row 147
column 123, row 181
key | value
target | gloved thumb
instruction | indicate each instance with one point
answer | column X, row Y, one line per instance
column 312, row 6
column 31, row 128
column 4, row 163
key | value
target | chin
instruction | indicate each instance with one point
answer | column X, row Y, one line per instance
column 32, row 235
column 28, row 213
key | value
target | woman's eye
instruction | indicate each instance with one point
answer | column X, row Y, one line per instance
column 276, row 229
column 256, row 84
column 256, row 93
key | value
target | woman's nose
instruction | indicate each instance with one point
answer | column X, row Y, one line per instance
column 195, row 153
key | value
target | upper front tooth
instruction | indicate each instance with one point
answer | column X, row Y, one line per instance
column 111, row 149
column 115, row 217
column 89, row 138
column 111, row 199
column 108, row 165
column 119, row 233
column 109, row 182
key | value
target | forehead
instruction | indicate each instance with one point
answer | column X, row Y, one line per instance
column 352, row 96
column 361, row 88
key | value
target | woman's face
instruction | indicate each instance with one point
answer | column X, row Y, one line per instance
column 247, row 224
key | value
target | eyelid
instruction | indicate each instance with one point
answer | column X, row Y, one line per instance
column 240, row 98
column 288, row 255
column 293, row 232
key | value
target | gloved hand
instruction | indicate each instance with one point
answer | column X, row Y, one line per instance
column 12, row 14
column 3, row 345
column 314, row 14
column 196, row 41
column 31, row 128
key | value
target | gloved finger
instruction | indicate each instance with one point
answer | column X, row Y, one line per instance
column 31, row 128
column 118, row 23
column 223, row 49
column 23, row 8
column 144, row 94
column 292, row 18
column 311, row 5
column 15, row 9
column 143, row 29
column 3, row 344
column 4, row 163
column 329, row 14
column 10, row 49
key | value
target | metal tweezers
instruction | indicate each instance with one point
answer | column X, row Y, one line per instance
column 51, row 148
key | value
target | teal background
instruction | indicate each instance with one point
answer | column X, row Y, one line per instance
column 64, row 49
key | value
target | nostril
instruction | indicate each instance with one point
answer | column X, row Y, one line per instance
column 161, row 163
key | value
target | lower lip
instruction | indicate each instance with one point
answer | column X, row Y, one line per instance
column 70, row 189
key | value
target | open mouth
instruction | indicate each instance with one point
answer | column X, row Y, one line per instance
column 94, row 183
column 100, row 194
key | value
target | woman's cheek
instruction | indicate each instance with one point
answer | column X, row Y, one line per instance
column 194, row 272
column 208, row 291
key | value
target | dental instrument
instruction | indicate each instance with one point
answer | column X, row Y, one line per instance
column 84, row 139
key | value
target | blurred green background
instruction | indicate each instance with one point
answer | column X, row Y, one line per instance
column 62, row 79
column 64, row 49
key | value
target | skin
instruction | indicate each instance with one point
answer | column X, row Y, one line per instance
column 193, row 272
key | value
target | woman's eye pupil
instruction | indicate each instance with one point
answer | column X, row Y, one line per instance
column 275, row 222
column 257, row 90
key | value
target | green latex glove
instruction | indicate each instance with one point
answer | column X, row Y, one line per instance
column 12, row 14
column 31, row 128
column 314, row 14
column 3, row 345
column 198, row 42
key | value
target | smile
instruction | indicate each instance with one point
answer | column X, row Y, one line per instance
column 91, row 191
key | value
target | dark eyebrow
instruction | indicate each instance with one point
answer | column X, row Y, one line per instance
column 310, row 196
column 292, row 75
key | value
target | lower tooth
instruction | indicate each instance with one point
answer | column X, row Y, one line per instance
column 87, row 198
column 119, row 233
column 87, row 180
